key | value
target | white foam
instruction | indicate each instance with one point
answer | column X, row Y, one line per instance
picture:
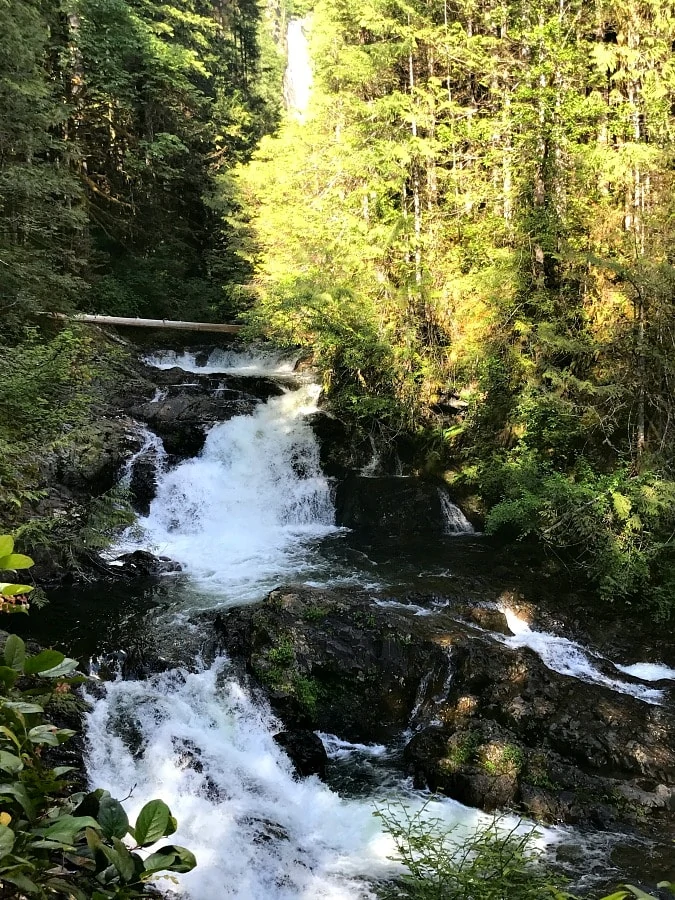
column 224, row 361
column 455, row 520
column 648, row 671
column 258, row 833
column 241, row 517
column 568, row 658
column 336, row 748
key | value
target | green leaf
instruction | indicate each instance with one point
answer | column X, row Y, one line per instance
column 44, row 734
column 6, row 545
column 15, row 652
column 170, row 859
column 7, row 676
column 6, row 840
column 22, row 882
column 66, row 888
column 62, row 770
column 120, row 858
column 10, row 763
column 14, row 561
column 112, row 818
column 8, row 589
column 21, row 706
column 18, row 791
column 152, row 822
column 48, row 659
column 67, row 827
column 63, row 669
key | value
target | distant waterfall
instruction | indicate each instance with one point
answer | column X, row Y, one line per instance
column 298, row 77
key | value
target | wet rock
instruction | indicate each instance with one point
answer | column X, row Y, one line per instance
column 515, row 733
column 183, row 420
column 342, row 450
column 143, row 481
column 332, row 661
column 90, row 460
column 142, row 563
column 395, row 506
column 305, row 750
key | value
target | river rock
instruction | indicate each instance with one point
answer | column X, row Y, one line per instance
column 89, row 461
column 390, row 505
column 331, row 661
column 183, row 420
column 494, row 727
column 305, row 750
column 140, row 563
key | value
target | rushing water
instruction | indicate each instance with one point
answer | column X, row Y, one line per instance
column 251, row 511
column 245, row 515
column 298, row 76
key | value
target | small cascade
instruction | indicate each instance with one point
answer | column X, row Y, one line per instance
column 568, row 658
column 152, row 448
column 298, row 77
column 374, row 466
column 455, row 520
column 225, row 362
column 421, row 696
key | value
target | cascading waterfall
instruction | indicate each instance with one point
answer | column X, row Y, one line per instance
column 241, row 516
column 454, row 519
column 298, row 76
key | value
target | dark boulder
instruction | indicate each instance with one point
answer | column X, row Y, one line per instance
column 141, row 563
column 183, row 420
column 305, row 750
column 332, row 661
column 393, row 506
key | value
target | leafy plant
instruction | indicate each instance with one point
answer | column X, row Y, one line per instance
column 53, row 843
column 496, row 862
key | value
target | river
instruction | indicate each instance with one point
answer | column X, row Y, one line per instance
column 252, row 511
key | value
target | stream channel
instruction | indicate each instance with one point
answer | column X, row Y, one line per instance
column 252, row 511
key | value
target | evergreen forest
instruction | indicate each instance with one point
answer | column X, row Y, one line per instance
column 470, row 228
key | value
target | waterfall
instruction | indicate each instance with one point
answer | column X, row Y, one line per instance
column 455, row 520
column 298, row 76
column 199, row 741
column 241, row 516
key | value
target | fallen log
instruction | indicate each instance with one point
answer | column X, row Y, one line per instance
column 151, row 323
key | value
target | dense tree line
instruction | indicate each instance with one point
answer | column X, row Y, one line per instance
column 483, row 200
column 118, row 120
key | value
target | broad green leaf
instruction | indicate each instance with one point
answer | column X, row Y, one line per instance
column 67, row 889
column 14, row 561
column 112, row 818
column 47, row 659
column 9, row 589
column 64, row 668
column 44, row 734
column 22, row 882
column 7, row 676
column 120, row 858
column 6, row 545
column 62, row 770
column 23, row 707
column 170, row 859
column 8, row 733
column 152, row 822
column 18, row 791
column 6, row 840
column 67, row 827
column 10, row 763
column 15, row 652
